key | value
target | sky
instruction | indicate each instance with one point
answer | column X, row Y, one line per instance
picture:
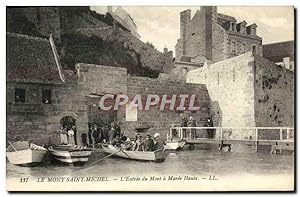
column 160, row 25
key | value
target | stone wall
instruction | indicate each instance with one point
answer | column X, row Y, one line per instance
column 39, row 122
column 274, row 94
column 179, row 71
column 230, row 87
column 155, row 120
column 99, row 79
column 248, row 91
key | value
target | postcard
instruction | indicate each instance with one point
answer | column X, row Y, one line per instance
column 144, row 98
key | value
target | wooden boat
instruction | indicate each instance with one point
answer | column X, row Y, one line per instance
column 25, row 153
column 175, row 145
column 157, row 156
column 70, row 154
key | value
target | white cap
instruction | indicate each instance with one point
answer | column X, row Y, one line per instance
column 156, row 135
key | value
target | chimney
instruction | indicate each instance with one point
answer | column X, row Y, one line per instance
column 251, row 29
column 165, row 50
column 185, row 18
column 210, row 15
column 241, row 27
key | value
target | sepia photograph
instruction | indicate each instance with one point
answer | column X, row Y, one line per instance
column 150, row 98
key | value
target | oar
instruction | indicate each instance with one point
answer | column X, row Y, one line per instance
column 121, row 149
column 12, row 146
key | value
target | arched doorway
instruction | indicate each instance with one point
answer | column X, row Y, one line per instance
column 68, row 122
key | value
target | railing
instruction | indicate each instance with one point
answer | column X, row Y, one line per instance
column 254, row 134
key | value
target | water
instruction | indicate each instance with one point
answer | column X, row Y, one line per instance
column 195, row 162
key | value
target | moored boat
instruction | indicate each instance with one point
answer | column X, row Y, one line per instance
column 157, row 156
column 25, row 153
column 70, row 154
column 174, row 145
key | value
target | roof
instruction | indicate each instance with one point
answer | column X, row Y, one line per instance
column 226, row 17
column 277, row 51
column 189, row 63
column 31, row 59
column 243, row 22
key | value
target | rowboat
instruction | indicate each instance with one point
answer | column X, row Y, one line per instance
column 156, row 156
column 24, row 153
column 175, row 145
column 70, row 154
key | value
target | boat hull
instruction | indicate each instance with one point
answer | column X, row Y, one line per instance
column 26, row 157
column 157, row 156
column 174, row 145
column 75, row 156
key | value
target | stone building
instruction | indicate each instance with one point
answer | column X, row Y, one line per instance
column 211, row 36
column 41, row 96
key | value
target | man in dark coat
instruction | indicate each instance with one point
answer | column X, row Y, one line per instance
column 96, row 134
column 111, row 134
column 105, row 131
column 149, row 144
column 210, row 132
column 90, row 134
column 183, row 123
column 84, row 139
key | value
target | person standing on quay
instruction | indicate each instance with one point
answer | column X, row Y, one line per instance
column 192, row 123
column 84, row 140
column 183, row 123
column 62, row 135
column 71, row 135
column 210, row 132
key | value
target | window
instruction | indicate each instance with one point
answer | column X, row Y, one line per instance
column 233, row 47
column 243, row 48
column 46, row 96
column 233, row 27
column 237, row 47
column 254, row 49
column 19, row 95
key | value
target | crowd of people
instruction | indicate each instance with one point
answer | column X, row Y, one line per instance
column 109, row 135
column 112, row 135
column 148, row 144
column 184, row 122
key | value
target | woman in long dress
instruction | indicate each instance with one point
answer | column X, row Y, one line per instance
column 71, row 139
column 62, row 135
